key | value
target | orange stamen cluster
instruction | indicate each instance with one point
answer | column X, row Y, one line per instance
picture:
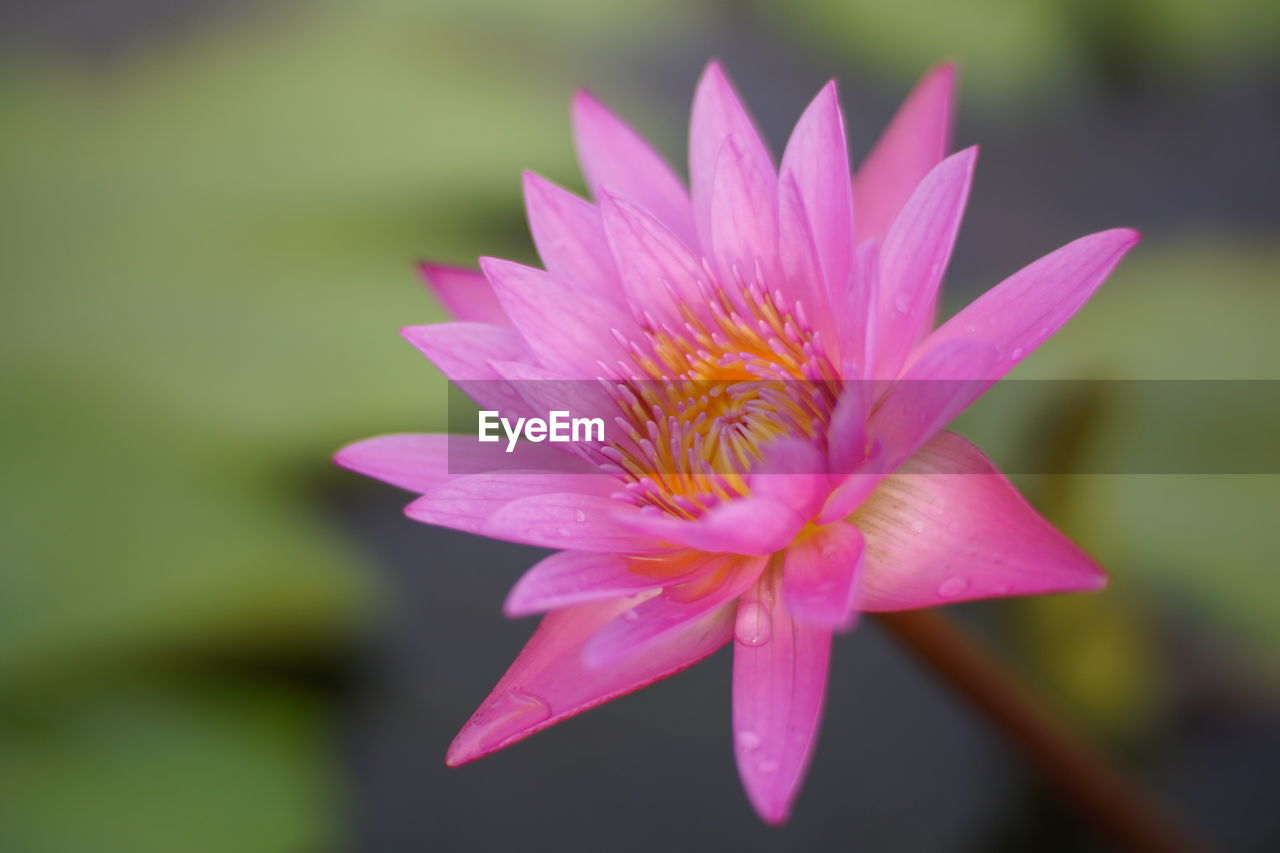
column 710, row 391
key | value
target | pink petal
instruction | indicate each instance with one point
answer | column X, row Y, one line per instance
column 850, row 452
column 575, row 522
column 949, row 527
column 466, row 294
column 658, row 270
column 614, row 155
column 568, row 233
column 542, row 391
column 744, row 214
column 635, row 632
column 800, row 268
column 568, row 325
column 463, row 351
column 717, row 114
column 414, row 462
column 847, row 443
column 750, row 525
column 525, row 507
column 820, row 573
column 468, row 502
column 577, row 577
column 1021, row 312
column 933, row 391
column 856, row 311
column 914, row 142
column 548, row 681
column 850, row 494
column 792, row 474
column 779, row 682
column 817, row 159
column 915, row 256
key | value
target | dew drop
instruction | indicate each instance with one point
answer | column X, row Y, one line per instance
column 769, row 765
column 951, row 587
column 1016, row 354
column 917, row 527
column 902, row 303
column 579, row 515
column 564, row 531
column 630, row 615
column 748, row 741
column 754, row 626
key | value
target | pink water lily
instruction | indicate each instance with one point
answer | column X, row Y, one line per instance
column 750, row 523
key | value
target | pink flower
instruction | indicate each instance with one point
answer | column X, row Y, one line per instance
column 756, row 272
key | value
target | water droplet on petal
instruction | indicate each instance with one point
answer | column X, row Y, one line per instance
column 1017, row 353
column 748, row 741
column 917, row 527
column 579, row 515
column 902, row 303
column 630, row 615
column 769, row 765
column 951, row 587
column 754, row 627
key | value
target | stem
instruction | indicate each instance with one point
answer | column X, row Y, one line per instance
column 1100, row 793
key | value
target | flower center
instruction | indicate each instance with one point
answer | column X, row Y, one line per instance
column 712, row 391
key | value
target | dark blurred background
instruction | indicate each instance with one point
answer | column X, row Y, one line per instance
column 212, row 640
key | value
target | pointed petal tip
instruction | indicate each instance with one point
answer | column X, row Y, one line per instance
column 584, row 103
column 492, row 266
column 1119, row 240
column 714, row 77
column 462, row 751
column 714, row 67
column 775, row 814
column 342, row 457
column 830, row 91
column 430, row 270
column 772, row 804
column 517, row 606
column 945, row 70
column 1133, row 234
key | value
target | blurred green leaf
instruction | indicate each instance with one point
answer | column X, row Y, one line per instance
column 1201, row 309
column 1016, row 51
column 202, row 769
column 207, row 248
column 211, row 248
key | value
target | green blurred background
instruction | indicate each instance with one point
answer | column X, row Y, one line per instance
column 210, row 213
